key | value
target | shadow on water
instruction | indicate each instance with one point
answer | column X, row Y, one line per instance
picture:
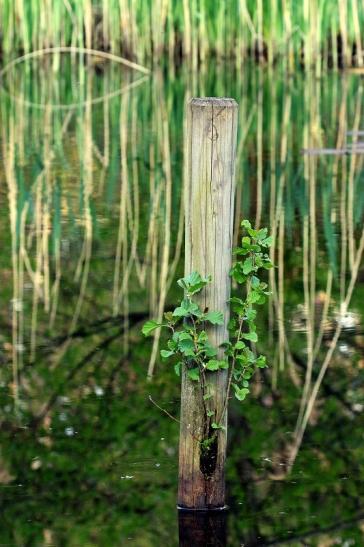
column 91, row 232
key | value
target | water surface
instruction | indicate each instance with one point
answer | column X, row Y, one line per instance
column 91, row 232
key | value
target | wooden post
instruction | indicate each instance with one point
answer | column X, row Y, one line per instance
column 209, row 209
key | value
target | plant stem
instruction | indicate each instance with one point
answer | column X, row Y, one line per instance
column 231, row 373
column 163, row 410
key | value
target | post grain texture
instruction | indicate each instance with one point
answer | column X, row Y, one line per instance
column 209, row 206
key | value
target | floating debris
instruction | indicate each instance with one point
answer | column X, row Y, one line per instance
column 36, row 464
column 98, row 390
column 349, row 148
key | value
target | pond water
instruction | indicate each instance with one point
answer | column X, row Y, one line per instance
column 91, row 179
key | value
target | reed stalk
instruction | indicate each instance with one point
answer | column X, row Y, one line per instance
column 143, row 30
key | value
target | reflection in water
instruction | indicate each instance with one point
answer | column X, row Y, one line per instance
column 201, row 529
column 92, row 233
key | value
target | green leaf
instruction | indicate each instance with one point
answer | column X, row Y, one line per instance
column 267, row 242
column 197, row 312
column 252, row 336
column 261, row 362
column 209, row 350
column 187, row 308
column 248, row 266
column 181, row 283
column 232, row 324
column 192, row 307
column 177, row 368
column 262, row 234
column 214, row 317
column 150, row 326
column 251, row 314
column 256, row 248
column 214, row 425
column 245, row 224
column 185, row 343
column 194, row 278
column 189, row 353
column 241, row 251
column 172, row 345
column 213, row 364
column 253, row 233
column 193, row 282
column 194, row 374
column 237, row 275
column 210, row 413
column 255, row 281
column 254, row 297
column 207, row 396
column 180, row 312
column 240, row 392
column 249, row 355
column 183, row 336
column 237, row 305
column 165, row 353
column 267, row 264
column 242, row 359
column 240, row 345
column 216, row 364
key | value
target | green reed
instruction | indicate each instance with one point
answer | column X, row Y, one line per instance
column 313, row 33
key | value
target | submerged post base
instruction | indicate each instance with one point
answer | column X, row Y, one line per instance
column 202, row 527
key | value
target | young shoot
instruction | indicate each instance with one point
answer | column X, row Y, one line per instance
column 189, row 346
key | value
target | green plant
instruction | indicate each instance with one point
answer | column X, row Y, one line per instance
column 189, row 344
column 145, row 29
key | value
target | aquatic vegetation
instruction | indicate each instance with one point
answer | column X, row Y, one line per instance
column 316, row 33
column 189, row 345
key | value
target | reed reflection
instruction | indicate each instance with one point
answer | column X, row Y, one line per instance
column 95, row 211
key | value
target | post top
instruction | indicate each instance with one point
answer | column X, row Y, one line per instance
column 220, row 102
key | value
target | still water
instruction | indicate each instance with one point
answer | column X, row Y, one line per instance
column 91, row 234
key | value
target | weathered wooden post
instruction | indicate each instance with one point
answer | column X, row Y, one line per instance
column 210, row 146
